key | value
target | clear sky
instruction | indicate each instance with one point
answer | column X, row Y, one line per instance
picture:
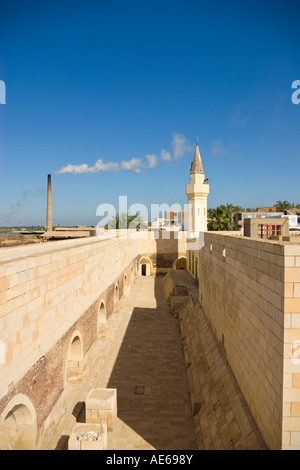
column 110, row 97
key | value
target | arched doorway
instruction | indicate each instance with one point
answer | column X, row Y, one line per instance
column 116, row 298
column 131, row 275
column 145, row 267
column 101, row 326
column 126, row 285
column 17, row 431
column 180, row 263
column 74, row 368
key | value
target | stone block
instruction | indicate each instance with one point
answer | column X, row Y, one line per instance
column 289, row 289
column 286, row 438
column 295, row 440
column 296, row 380
column 289, row 261
column 290, row 423
column 296, row 289
column 295, row 409
column 101, row 406
column 295, row 321
column 292, row 250
column 292, row 274
column 87, row 436
column 292, row 305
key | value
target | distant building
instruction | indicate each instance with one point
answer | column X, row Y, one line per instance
column 292, row 211
column 267, row 227
column 158, row 222
column 239, row 217
column 266, row 209
column 177, row 217
column 294, row 222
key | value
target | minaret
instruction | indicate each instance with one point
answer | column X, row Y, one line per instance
column 49, row 206
column 197, row 192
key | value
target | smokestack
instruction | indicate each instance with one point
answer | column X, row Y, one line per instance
column 49, row 206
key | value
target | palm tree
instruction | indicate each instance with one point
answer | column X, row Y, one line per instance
column 210, row 213
column 220, row 219
column 125, row 221
column 229, row 208
column 281, row 206
column 237, row 209
column 135, row 221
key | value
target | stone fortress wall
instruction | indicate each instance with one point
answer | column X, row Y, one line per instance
column 249, row 290
column 56, row 299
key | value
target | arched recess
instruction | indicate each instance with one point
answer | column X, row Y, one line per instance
column 145, row 266
column 131, row 275
column 126, row 285
column 101, row 321
column 180, row 263
column 116, row 298
column 18, row 425
column 74, row 362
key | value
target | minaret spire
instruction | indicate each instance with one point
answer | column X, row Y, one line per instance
column 197, row 192
column 196, row 166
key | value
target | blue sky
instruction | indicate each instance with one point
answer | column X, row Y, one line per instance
column 114, row 81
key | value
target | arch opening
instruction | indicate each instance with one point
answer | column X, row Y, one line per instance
column 74, row 370
column 126, row 285
column 131, row 275
column 144, row 267
column 17, row 431
column 116, row 298
column 180, row 263
column 101, row 318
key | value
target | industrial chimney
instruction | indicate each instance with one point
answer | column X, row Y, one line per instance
column 49, row 206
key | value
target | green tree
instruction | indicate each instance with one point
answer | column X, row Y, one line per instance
column 229, row 208
column 237, row 209
column 281, row 206
column 220, row 218
column 124, row 220
column 210, row 213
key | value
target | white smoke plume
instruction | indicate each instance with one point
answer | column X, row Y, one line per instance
column 180, row 147
column 84, row 168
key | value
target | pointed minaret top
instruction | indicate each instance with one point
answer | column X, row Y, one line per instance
column 196, row 166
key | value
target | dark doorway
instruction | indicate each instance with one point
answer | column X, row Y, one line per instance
column 144, row 269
